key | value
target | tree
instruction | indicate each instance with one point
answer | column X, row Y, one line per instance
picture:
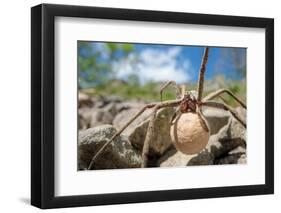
column 96, row 59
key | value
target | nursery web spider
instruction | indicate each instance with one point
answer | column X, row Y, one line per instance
column 186, row 101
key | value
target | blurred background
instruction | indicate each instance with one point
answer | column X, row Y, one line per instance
column 137, row 71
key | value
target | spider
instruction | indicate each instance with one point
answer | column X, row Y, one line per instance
column 186, row 102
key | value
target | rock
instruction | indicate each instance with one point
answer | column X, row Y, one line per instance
column 126, row 105
column 232, row 159
column 104, row 100
column 136, row 131
column 238, row 149
column 85, row 100
column 103, row 115
column 242, row 159
column 237, row 130
column 236, row 156
column 221, row 145
column 161, row 139
column 203, row 158
column 216, row 118
column 82, row 122
column 125, row 115
column 242, row 113
column 228, row 138
column 118, row 154
column 226, row 134
column 174, row 158
column 85, row 104
column 84, row 114
column 114, row 98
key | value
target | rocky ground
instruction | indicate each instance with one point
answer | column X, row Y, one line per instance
column 100, row 118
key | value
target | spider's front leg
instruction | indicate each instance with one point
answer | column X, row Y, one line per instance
column 224, row 107
column 169, row 83
column 222, row 91
column 148, row 137
column 150, row 129
column 175, row 116
column 118, row 133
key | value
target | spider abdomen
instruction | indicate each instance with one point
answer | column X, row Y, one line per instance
column 188, row 133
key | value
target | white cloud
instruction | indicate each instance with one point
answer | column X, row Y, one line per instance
column 155, row 64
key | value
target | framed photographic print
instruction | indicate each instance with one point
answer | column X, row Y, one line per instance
column 139, row 106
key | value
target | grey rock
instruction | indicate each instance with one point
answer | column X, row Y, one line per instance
column 226, row 134
column 82, row 122
column 126, row 105
column 236, row 156
column 242, row 159
column 229, row 143
column 216, row 118
column 161, row 139
column 125, row 115
column 85, row 105
column 101, row 101
column 228, row 138
column 238, row 149
column 232, row 159
column 242, row 113
column 174, row 158
column 103, row 115
column 118, row 154
column 137, row 130
column 84, row 116
column 203, row 158
column 237, row 130
column 104, row 100
column 85, row 100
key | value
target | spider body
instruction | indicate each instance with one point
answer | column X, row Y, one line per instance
column 189, row 128
column 189, row 103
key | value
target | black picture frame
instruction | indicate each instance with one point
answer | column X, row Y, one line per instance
column 43, row 105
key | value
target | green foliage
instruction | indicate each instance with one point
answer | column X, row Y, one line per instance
column 150, row 90
column 234, row 88
column 239, row 89
column 95, row 61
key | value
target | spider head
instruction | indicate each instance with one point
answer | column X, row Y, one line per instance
column 189, row 102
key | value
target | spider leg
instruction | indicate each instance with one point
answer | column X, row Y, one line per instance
column 148, row 137
column 118, row 133
column 202, row 73
column 174, row 117
column 164, row 86
column 160, row 105
column 183, row 91
column 224, row 107
column 150, row 129
column 222, row 98
column 221, row 91
column 204, row 122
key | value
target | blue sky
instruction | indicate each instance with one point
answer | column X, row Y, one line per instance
column 176, row 62
column 220, row 59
